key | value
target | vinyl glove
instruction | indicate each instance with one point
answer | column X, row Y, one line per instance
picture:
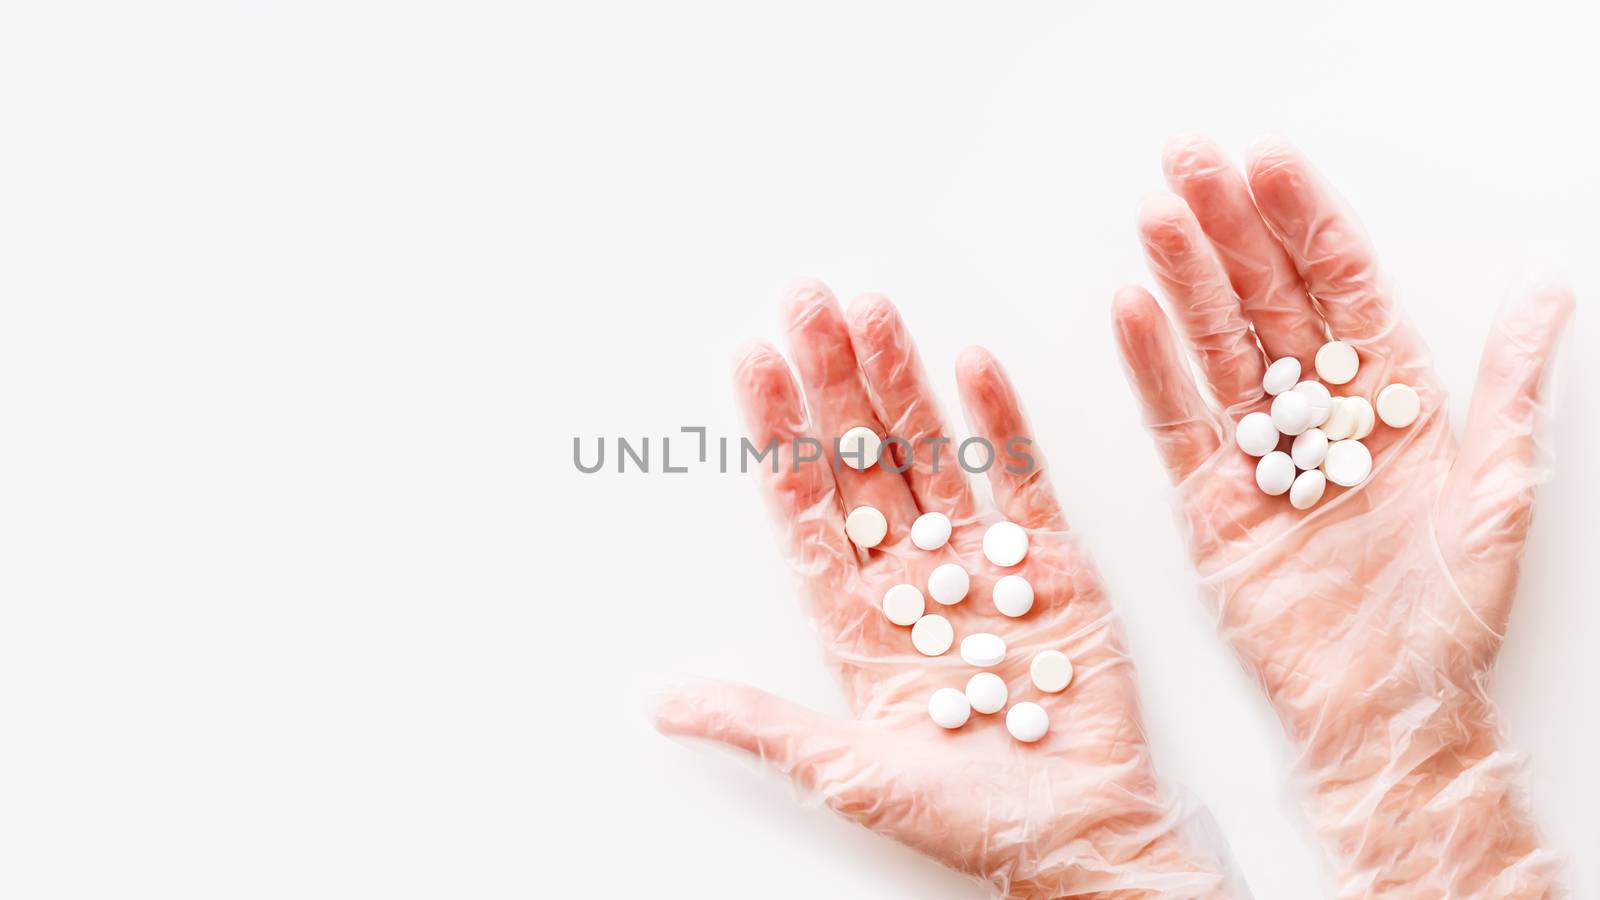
column 1077, row 814
column 1372, row 619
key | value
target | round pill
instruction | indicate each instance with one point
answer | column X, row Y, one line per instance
column 866, row 526
column 1309, row 448
column 1291, row 412
column 1316, row 394
column 1274, row 473
column 1027, row 722
column 1337, row 362
column 983, row 650
column 1005, row 543
column 1307, row 489
column 986, row 691
column 1256, row 435
column 948, row 584
column 932, row 635
column 1281, row 375
column 1365, row 417
column 859, row 447
column 1342, row 417
column 1398, row 405
column 1051, row 671
column 1013, row 596
column 948, row 708
column 903, row 604
column 930, row 531
column 1348, row 463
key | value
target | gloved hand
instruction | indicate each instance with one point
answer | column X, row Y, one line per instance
column 1372, row 619
column 1079, row 813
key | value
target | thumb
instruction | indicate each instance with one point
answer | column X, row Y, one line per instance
column 820, row 754
column 1488, row 496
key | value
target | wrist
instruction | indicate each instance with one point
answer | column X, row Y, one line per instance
column 1176, row 864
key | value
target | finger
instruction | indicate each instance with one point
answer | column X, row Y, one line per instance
column 838, row 401
column 1263, row 277
column 801, row 492
column 1017, row 469
column 1489, row 495
column 1201, row 300
column 1185, row 430
column 818, row 753
column 905, row 403
column 1328, row 248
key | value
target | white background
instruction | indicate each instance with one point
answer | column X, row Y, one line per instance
column 304, row 303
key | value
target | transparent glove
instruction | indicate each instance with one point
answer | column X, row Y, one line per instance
column 1372, row 619
column 1077, row 814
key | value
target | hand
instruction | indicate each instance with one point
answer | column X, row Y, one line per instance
column 1078, row 813
column 1373, row 618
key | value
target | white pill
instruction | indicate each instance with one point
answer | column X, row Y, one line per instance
column 948, row 708
column 1307, row 489
column 903, row 604
column 1274, row 473
column 1348, row 463
column 1013, row 596
column 1365, row 417
column 1281, row 375
column 1027, row 722
column 859, row 447
column 1005, row 543
column 1337, row 362
column 1051, row 671
column 1309, row 448
column 930, row 531
column 1291, row 412
column 1316, row 394
column 866, row 526
column 932, row 635
column 1342, row 417
column 948, row 584
column 986, row 691
column 1398, row 405
column 1256, row 435
column 983, row 650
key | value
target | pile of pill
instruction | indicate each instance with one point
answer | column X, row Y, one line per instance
column 1323, row 432
column 1005, row 544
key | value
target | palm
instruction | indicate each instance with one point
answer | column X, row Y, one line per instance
column 1079, row 810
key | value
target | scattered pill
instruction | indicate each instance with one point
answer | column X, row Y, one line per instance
column 1013, row 596
column 1348, row 463
column 1027, row 722
column 1281, row 375
column 1051, row 671
column 1005, row 543
column 1309, row 448
column 903, row 604
column 983, row 650
column 932, row 635
column 860, row 447
column 1307, row 489
column 949, row 708
column 1337, row 362
column 866, row 526
column 1341, row 422
column 1274, row 473
column 1316, row 394
column 930, row 531
column 948, row 584
column 986, row 692
column 1365, row 417
column 1256, row 435
column 1291, row 412
column 1398, row 405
